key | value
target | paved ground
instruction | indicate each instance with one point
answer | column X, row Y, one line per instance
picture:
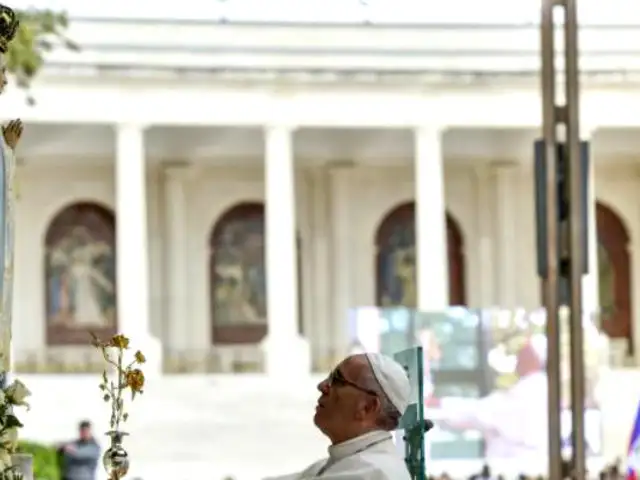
column 191, row 427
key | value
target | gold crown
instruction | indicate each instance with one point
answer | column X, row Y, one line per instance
column 8, row 27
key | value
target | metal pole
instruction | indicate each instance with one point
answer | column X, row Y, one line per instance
column 576, row 237
column 551, row 284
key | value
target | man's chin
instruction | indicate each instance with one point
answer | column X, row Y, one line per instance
column 318, row 418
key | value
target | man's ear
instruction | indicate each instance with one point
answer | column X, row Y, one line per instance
column 373, row 404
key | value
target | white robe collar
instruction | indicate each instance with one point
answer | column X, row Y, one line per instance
column 357, row 445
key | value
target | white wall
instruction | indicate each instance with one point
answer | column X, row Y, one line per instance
column 43, row 192
column 338, row 213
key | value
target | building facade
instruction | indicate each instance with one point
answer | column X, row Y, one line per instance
column 264, row 179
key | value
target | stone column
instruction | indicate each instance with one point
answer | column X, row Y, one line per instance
column 132, row 253
column 341, row 218
column 505, row 213
column 431, row 233
column 322, row 271
column 286, row 353
column 178, row 315
column 485, row 228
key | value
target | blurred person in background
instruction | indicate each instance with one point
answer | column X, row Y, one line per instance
column 485, row 474
column 431, row 356
column 513, row 422
column 361, row 402
column 80, row 457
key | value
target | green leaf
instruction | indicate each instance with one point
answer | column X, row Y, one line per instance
column 12, row 421
column 40, row 31
column 46, row 461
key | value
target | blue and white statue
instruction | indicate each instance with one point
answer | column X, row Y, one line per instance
column 11, row 133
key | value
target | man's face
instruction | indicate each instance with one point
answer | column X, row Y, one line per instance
column 345, row 405
column 528, row 361
column 85, row 433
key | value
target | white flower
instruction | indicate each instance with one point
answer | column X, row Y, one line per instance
column 17, row 393
column 9, row 438
column 5, row 459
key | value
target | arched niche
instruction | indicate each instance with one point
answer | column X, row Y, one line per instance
column 614, row 274
column 80, row 274
column 238, row 276
column 396, row 254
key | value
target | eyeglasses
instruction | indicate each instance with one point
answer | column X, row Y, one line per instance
column 336, row 379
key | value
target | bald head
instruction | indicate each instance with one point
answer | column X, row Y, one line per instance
column 532, row 357
column 357, row 363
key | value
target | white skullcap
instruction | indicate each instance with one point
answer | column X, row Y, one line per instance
column 392, row 378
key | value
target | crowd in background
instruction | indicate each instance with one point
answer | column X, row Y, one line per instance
column 611, row 472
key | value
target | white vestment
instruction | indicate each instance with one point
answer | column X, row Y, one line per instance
column 372, row 456
column 512, row 421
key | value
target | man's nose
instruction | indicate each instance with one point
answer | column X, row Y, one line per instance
column 323, row 386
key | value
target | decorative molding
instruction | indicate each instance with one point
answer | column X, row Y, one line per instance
column 341, row 164
column 506, row 164
column 178, row 170
column 424, row 79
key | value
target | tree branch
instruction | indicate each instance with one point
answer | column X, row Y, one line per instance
column 40, row 32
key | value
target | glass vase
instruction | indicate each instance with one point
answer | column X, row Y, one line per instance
column 116, row 458
column 24, row 465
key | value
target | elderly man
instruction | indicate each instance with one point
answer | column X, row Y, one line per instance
column 361, row 402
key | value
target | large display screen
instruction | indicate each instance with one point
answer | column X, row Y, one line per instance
column 485, row 380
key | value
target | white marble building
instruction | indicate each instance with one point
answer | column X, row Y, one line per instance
column 316, row 139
